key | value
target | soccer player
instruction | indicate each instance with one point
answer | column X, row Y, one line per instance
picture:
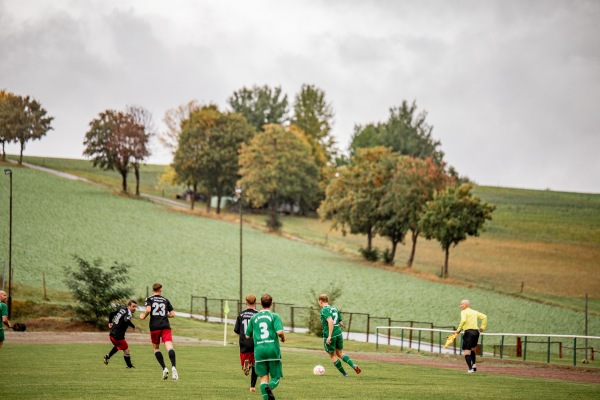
column 119, row 321
column 266, row 329
column 333, row 341
column 160, row 310
column 247, row 345
column 4, row 314
column 468, row 322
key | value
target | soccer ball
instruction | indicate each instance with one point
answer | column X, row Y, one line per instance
column 319, row 370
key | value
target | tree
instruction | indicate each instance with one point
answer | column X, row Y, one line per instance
column 277, row 164
column 353, row 197
column 405, row 132
column 207, row 154
column 314, row 117
column 114, row 141
column 8, row 112
column 260, row 105
column 141, row 117
column 452, row 216
column 96, row 289
column 22, row 119
column 174, row 119
column 414, row 183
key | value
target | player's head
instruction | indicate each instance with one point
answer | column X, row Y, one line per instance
column 2, row 295
column 323, row 299
column 157, row 287
column 132, row 305
column 251, row 300
column 266, row 300
column 464, row 304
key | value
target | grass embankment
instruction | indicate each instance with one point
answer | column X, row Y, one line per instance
column 55, row 218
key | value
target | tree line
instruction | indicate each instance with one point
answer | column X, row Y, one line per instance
column 278, row 154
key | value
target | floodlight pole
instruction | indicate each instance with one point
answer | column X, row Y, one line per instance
column 9, row 304
column 240, row 193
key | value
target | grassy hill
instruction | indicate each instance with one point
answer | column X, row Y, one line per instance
column 55, row 218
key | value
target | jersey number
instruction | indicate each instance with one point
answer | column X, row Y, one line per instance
column 264, row 330
column 159, row 309
column 335, row 317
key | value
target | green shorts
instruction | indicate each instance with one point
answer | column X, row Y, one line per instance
column 1, row 335
column 337, row 343
column 272, row 368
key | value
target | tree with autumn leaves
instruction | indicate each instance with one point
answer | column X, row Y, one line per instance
column 118, row 140
column 22, row 119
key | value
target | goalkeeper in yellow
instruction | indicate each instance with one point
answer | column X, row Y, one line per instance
column 333, row 341
column 468, row 322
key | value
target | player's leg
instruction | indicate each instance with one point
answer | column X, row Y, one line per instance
column 473, row 358
column 155, row 337
column 167, row 337
column 330, row 349
column 262, row 370
column 340, row 354
column 127, row 357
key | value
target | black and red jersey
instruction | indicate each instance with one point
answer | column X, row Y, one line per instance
column 160, row 307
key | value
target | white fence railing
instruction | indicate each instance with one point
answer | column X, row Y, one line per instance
column 550, row 348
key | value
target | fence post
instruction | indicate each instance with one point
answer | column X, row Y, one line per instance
column 376, row 339
column 205, row 309
column 525, row 350
column 348, row 330
column 501, row 346
column 574, row 351
column 389, row 332
column 191, row 305
column 548, row 356
column 368, row 326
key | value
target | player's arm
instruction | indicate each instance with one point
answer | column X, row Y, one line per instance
column 483, row 319
column 171, row 314
column 145, row 313
column 6, row 322
column 463, row 321
column 330, row 326
column 281, row 335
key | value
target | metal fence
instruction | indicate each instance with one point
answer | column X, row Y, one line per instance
column 548, row 348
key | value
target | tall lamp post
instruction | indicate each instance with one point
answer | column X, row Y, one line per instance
column 9, row 173
column 239, row 192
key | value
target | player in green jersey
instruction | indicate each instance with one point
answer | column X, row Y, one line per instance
column 4, row 316
column 266, row 329
column 333, row 340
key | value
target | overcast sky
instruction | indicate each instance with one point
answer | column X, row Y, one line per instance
column 512, row 88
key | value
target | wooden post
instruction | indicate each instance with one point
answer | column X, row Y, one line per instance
column 45, row 298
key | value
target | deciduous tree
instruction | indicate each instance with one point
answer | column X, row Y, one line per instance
column 113, row 141
column 452, row 216
column 276, row 165
column 22, row 119
column 141, row 151
column 414, row 183
column 260, row 105
column 353, row 197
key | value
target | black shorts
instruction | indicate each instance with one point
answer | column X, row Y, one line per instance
column 470, row 339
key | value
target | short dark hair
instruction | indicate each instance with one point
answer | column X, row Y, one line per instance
column 324, row 298
column 156, row 287
column 266, row 300
column 130, row 302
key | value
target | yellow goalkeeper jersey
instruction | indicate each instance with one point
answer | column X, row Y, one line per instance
column 468, row 319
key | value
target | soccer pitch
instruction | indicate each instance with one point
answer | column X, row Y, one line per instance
column 76, row 371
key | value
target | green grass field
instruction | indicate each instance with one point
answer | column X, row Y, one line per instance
column 35, row 371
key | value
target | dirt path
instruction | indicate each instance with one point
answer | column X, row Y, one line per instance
column 485, row 365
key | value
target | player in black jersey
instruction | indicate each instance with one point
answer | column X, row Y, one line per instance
column 118, row 322
column 160, row 310
column 247, row 345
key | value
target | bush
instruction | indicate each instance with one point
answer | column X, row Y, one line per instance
column 313, row 322
column 96, row 289
column 387, row 257
column 371, row 254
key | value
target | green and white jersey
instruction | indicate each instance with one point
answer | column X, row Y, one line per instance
column 263, row 328
column 330, row 311
column 3, row 313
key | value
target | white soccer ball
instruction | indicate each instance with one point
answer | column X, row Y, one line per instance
column 319, row 370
